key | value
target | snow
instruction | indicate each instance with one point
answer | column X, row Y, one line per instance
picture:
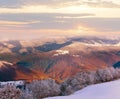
column 8, row 45
column 16, row 83
column 109, row 90
column 76, row 55
column 95, row 44
column 3, row 63
column 61, row 52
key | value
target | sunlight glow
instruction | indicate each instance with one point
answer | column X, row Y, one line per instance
column 79, row 17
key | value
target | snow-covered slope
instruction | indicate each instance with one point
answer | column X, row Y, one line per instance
column 4, row 64
column 109, row 90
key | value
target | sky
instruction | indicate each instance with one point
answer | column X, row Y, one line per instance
column 39, row 18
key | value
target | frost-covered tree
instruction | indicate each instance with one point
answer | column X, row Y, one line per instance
column 44, row 88
column 84, row 79
column 10, row 92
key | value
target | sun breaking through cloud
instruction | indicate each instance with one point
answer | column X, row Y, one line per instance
column 83, row 17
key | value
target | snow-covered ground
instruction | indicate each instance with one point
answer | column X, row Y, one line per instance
column 109, row 90
column 15, row 83
column 61, row 52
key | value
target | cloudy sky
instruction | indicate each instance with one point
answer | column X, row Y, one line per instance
column 35, row 18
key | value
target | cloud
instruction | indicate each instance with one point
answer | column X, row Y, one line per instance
column 45, row 21
column 102, row 24
column 42, row 21
column 20, row 3
column 58, row 3
column 104, row 4
column 11, row 3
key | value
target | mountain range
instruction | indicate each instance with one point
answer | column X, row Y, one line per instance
column 58, row 59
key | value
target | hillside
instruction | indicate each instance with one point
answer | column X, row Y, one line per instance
column 9, row 71
column 109, row 90
column 59, row 59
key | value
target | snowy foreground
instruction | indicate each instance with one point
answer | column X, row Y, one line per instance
column 109, row 90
